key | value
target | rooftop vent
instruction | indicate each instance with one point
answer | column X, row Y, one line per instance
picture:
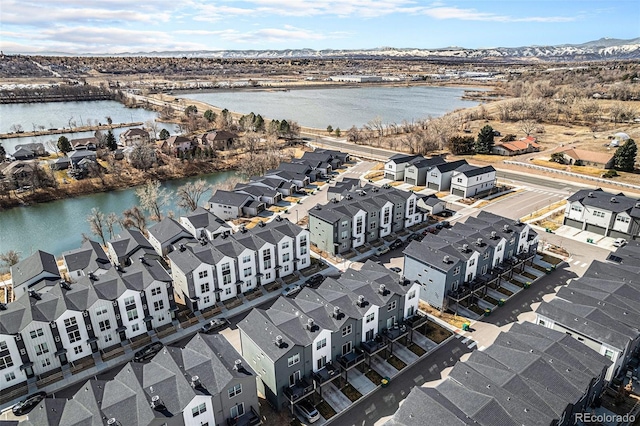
column 113, row 422
column 143, row 260
column 506, row 228
column 261, row 224
column 34, row 294
column 465, row 248
column 348, row 197
column 613, row 200
column 493, row 235
column 243, row 229
column 237, row 364
column 590, row 195
column 479, row 241
column 278, row 218
column 65, row 285
column 446, row 259
column 637, row 205
column 318, row 207
column 375, row 190
column 195, row 382
column 361, row 301
column 311, row 324
column 336, row 312
column 334, row 200
column 119, row 268
column 382, row 289
column 92, row 276
column 278, row 341
column 157, row 404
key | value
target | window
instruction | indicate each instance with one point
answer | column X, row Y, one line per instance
column 101, row 311
column 321, row 343
column 608, row 354
column 347, row 348
column 3, row 346
column 266, row 258
column 412, row 294
column 293, row 360
column 499, row 248
column 236, row 390
column 108, row 338
column 541, row 322
column 285, row 245
column 77, row 350
column 246, row 259
column 372, row 226
column 346, row 330
column 303, row 241
column 104, row 325
column 344, row 234
column 576, row 208
column 135, row 327
column 303, row 261
column 459, row 180
column 157, row 305
column 226, row 274
column 41, row 349
column 359, row 222
column 36, row 333
column 267, row 276
column 196, row 411
column 456, row 271
column 285, row 257
column 204, row 288
column 156, row 291
column 387, row 213
column 598, row 214
column 303, row 250
column 622, row 219
column 486, row 255
column 203, row 274
column 370, row 318
column 286, row 268
column 392, row 306
column 46, row 362
column 5, row 361
column 206, row 299
column 455, row 285
column 9, row 376
column 344, row 223
column 227, row 291
column 237, row 410
column 472, row 262
column 72, row 329
column 322, row 361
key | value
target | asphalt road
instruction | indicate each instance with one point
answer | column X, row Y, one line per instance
column 385, row 401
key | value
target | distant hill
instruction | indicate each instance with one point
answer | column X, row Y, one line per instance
column 602, row 49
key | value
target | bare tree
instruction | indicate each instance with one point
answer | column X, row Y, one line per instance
column 134, row 218
column 9, row 258
column 143, row 156
column 97, row 223
column 152, row 127
column 250, row 141
column 153, row 198
column 528, row 126
column 110, row 221
column 190, row 193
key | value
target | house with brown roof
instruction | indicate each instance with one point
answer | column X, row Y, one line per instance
column 521, row 146
column 177, row 143
column 134, row 136
column 583, row 157
column 218, row 139
column 90, row 143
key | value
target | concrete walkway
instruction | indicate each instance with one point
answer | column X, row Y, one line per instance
column 335, row 398
column 422, row 341
column 383, row 367
column 404, row 354
column 359, row 381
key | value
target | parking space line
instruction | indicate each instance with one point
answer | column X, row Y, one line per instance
column 576, row 262
column 583, row 265
column 471, row 346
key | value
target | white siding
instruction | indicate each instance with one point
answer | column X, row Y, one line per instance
column 207, row 298
column 622, row 222
column 411, row 300
column 360, row 217
column 472, row 266
column 108, row 336
column 13, row 370
column 574, row 211
column 229, row 290
column 285, row 253
column 31, row 343
column 303, row 251
column 597, row 217
column 323, row 351
column 142, row 328
column 207, row 417
column 80, row 343
column 372, row 325
column 269, row 274
column 249, row 280
column 385, row 225
column 162, row 315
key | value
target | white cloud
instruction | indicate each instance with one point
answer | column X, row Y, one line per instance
column 443, row 12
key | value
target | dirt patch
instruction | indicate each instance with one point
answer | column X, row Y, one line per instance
column 416, row 349
column 454, row 320
column 350, row 392
column 396, row 362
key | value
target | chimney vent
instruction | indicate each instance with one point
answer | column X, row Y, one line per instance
column 336, row 312
column 361, row 301
column 479, row 241
column 493, row 235
column 237, row 364
column 590, row 195
column 382, row 289
column 446, row 259
column 195, row 381
column 278, row 341
column 613, row 200
column 65, row 285
column 465, row 248
column 311, row 325
column 506, row 228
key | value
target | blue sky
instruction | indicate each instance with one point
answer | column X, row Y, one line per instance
column 116, row 26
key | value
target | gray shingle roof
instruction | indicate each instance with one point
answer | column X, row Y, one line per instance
column 128, row 242
column 470, row 171
column 603, row 200
column 167, row 230
column 88, row 258
column 229, row 198
column 34, row 265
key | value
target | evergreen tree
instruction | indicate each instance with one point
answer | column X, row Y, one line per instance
column 111, row 143
column 164, row 134
column 210, row 116
column 258, row 123
column 64, row 145
column 625, row 156
column 3, row 153
column 484, row 142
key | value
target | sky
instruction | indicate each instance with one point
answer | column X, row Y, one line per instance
column 118, row 26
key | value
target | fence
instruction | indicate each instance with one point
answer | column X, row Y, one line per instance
column 571, row 174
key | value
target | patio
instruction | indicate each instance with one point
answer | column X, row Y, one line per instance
column 351, row 359
column 359, row 381
column 422, row 341
column 405, row 355
column 383, row 367
column 326, row 374
column 336, row 398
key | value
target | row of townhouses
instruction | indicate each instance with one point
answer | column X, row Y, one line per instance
column 600, row 309
column 458, row 264
column 616, row 216
column 253, row 197
column 301, row 344
column 55, row 324
column 458, row 177
column 529, row 376
column 207, row 272
column 361, row 216
column 202, row 383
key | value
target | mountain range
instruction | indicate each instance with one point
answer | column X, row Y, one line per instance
column 602, row 49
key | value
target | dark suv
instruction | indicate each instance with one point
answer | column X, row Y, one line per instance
column 148, row 352
column 28, row 404
column 314, row 280
column 396, row 244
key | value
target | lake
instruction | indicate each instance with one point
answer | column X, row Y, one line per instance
column 341, row 107
column 58, row 226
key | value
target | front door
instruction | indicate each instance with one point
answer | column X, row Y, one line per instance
column 294, row 378
column 346, row 348
column 410, row 311
column 391, row 321
column 369, row 335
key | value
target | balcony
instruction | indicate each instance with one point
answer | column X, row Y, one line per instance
column 374, row 346
column 396, row 332
column 250, row 418
column 351, row 359
column 416, row 321
column 460, row 294
column 299, row 390
column 326, row 374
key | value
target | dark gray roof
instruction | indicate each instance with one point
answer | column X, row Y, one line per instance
column 422, row 163
column 603, row 200
column 403, row 158
column 447, row 167
column 432, row 200
column 167, row 230
column 427, row 403
column 470, row 171
column 88, row 258
column 229, row 198
column 128, row 242
column 34, row 265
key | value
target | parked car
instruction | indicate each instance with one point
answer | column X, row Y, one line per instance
column 308, row 411
column 446, row 224
column 396, row 244
column 291, row 290
column 147, row 352
column 619, row 242
column 214, row 324
column 314, row 280
column 396, row 269
column 28, row 403
column 383, row 250
column 414, row 237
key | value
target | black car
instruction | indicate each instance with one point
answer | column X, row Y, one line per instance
column 395, row 269
column 314, row 280
column 214, row 324
column 396, row 244
column 147, row 352
column 27, row 404
column 416, row 237
column 446, row 224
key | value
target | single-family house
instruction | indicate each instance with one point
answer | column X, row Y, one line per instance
column 522, row 146
column 439, row 176
column 23, row 154
column 394, row 168
column 80, row 144
column 218, row 139
column 165, row 234
column 581, row 157
column 177, row 144
column 134, row 136
column 469, row 181
column 230, row 205
column 431, row 204
column 415, row 172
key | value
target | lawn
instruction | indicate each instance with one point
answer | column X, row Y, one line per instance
column 373, row 376
column 351, row 392
column 325, row 410
column 416, row 349
column 505, row 291
column 396, row 363
column 436, row 333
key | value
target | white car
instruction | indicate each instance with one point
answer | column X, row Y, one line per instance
column 308, row 411
column 619, row 242
column 291, row 290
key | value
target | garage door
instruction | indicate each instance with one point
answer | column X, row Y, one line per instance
column 458, row 192
column 595, row 229
column 411, row 181
column 389, row 176
column 573, row 223
column 433, row 185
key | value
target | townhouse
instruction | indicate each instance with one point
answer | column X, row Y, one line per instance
column 600, row 310
column 299, row 345
column 205, row 273
column 129, row 244
column 166, row 234
column 38, row 272
column 416, row 172
column 468, row 181
column 394, row 168
column 71, row 323
column 204, row 382
column 362, row 216
column 456, row 266
column 201, row 223
column 90, row 258
column 529, row 376
column 611, row 215
column 230, row 204
column 439, row 176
